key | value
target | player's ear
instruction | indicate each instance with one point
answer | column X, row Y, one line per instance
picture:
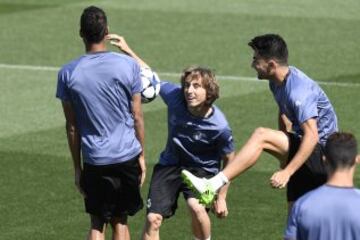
column 271, row 66
column 357, row 160
column 107, row 30
column 272, row 63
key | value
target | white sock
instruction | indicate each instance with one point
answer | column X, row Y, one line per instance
column 209, row 238
column 218, row 181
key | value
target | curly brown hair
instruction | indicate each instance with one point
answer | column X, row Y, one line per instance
column 208, row 80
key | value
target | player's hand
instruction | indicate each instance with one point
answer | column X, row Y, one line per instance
column 280, row 178
column 220, row 208
column 118, row 41
column 77, row 182
column 143, row 169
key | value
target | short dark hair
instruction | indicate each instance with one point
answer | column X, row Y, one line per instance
column 208, row 81
column 93, row 24
column 340, row 151
column 270, row 46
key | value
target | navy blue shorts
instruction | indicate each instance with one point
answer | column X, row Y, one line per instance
column 165, row 187
column 112, row 190
column 310, row 175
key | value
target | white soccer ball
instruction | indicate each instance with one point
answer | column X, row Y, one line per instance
column 150, row 85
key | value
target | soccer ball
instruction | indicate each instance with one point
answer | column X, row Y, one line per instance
column 150, row 85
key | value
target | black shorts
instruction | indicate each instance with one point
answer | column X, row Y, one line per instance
column 165, row 187
column 310, row 175
column 112, row 190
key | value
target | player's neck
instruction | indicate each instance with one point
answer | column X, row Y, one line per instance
column 342, row 178
column 95, row 47
column 281, row 75
column 201, row 111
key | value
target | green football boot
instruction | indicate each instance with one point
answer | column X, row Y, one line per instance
column 204, row 191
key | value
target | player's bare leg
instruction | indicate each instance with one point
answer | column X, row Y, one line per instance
column 97, row 229
column 200, row 221
column 263, row 139
column 152, row 227
column 120, row 228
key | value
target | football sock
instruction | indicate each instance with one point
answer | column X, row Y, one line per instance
column 195, row 238
column 218, row 181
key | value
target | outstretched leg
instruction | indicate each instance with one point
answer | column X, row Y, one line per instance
column 263, row 139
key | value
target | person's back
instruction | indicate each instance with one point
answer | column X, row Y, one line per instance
column 101, row 100
column 332, row 211
column 101, row 86
column 327, row 213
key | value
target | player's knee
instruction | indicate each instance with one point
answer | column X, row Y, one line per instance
column 154, row 220
column 122, row 220
column 259, row 134
column 198, row 210
column 97, row 223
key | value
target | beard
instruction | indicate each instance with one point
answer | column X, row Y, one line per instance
column 262, row 76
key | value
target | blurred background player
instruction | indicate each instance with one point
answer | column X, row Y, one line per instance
column 100, row 93
column 306, row 119
column 332, row 211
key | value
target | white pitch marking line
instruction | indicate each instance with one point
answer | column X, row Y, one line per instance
column 168, row 74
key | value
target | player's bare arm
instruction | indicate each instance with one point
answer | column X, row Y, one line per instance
column 220, row 206
column 140, row 132
column 119, row 41
column 73, row 138
column 284, row 123
column 309, row 140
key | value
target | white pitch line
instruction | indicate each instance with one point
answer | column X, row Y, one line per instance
column 29, row 67
column 168, row 74
column 220, row 77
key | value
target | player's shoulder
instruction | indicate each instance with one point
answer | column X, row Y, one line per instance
column 172, row 94
column 312, row 197
column 220, row 118
column 171, row 89
column 299, row 80
column 357, row 191
column 167, row 84
column 299, row 84
column 309, row 195
column 69, row 67
column 122, row 57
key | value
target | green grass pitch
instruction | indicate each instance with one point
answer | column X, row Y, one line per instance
column 38, row 200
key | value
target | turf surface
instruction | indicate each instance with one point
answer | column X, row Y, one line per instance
column 38, row 199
